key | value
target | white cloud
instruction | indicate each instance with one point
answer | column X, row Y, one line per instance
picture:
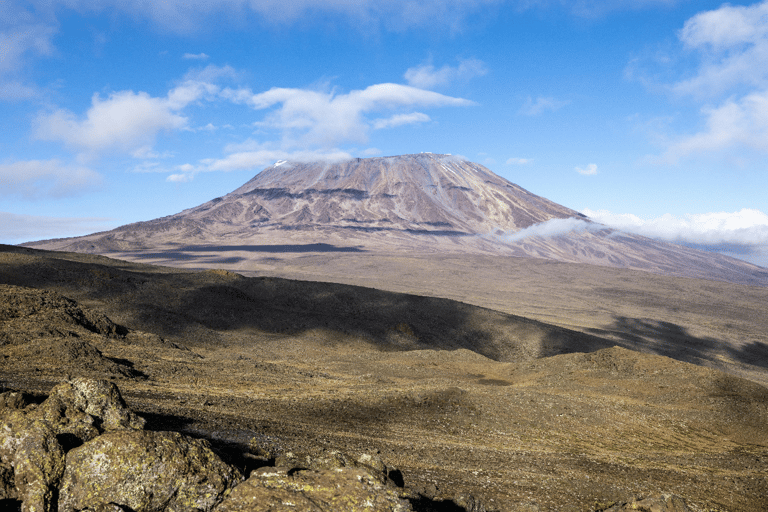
column 179, row 178
column 743, row 234
column 34, row 179
column 746, row 226
column 551, row 228
column 425, row 76
column 126, row 121
column 21, row 39
column 16, row 90
column 252, row 159
column 741, row 123
column 542, row 104
column 195, row 56
column 733, row 41
column 308, row 117
column 16, row 229
column 190, row 15
column 729, row 49
column 519, row 161
column 400, row 120
column 589, row 170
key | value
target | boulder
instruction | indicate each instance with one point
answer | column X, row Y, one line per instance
column 656, row 503
column 14, row 400
column 84, row 408
column 342, row 489
column 31, row 461
column 144, row 472
column 322, row 459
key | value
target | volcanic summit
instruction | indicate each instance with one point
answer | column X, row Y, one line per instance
column 420, row 204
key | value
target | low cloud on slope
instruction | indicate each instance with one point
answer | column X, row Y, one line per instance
column 551, row 228
column 743, row 234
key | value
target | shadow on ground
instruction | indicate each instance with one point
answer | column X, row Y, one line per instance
column 223, row 307
column 675, row 341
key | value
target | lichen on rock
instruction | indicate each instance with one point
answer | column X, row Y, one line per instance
column 145, row 472
column 31, row 460
column 343, row 489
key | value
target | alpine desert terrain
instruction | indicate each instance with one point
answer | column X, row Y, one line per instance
column 466, row 344
column 469, row 408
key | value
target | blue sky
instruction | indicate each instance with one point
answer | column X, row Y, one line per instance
column 648, row 115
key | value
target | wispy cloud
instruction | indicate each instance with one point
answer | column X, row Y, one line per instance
column 733, row 44
column 36, row 179
column 729, row 48
column 319, row 118
column 400, row 120
column 519, row 161
column 589, row 170
column 252, row 155
column 426, row 76
column 16, row 229
column 195, row 56
column 551, row 228
column 186, row 16
column 541, row 104
column 743, row 233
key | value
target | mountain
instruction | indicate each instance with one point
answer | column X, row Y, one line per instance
column 418, row 204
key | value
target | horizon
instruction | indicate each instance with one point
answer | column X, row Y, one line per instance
column 648, row 117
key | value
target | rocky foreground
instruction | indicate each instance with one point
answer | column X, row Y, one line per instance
column 82, row 449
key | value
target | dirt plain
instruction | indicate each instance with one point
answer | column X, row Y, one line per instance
column 527, row 384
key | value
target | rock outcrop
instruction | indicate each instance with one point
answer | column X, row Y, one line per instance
column 82, row 449
column 33, row 439
column 656, row 503
column 145, row 472
column 329, row 490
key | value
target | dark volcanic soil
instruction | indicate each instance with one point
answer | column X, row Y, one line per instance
column 464, row 400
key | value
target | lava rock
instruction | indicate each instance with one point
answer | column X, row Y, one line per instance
column 342, row 489
column 656, row 503
column 84, row 408
column 145, row 472
column 324, row 459
column 14, row 400
column 31, row 461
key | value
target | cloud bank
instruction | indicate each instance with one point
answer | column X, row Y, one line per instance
column 743, row 234
column 551, row 228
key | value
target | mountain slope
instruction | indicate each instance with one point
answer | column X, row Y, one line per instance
column 422, row 203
